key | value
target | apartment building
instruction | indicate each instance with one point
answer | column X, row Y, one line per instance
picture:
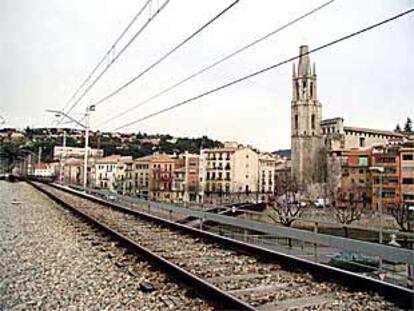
column 267, row 165
column 186, row 178
column 114, row 173
column 141, row 176
column 60, row 152
column 228, row 170
column 388, row 182
column 407, row 174
column 356, row 176
column 73, row 171
column 161, row 177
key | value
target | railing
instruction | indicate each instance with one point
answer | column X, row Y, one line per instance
column 307, row 244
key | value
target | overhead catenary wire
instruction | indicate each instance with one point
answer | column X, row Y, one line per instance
column 162, row 58
column 266, row 69
column 218, row 62
column 115, row 58
column 107, row 54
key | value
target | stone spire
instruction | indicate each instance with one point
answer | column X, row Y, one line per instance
column 304, row 62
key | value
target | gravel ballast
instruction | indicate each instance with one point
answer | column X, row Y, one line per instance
column 49, row 260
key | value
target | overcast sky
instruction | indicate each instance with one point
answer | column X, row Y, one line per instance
column 48, row 47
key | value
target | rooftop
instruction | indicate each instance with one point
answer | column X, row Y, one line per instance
column 372, row 131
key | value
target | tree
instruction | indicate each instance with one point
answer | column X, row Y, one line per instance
column 397, row 129
column 287, row 206
column 349, row 206
column 408, row 126
column 403, row 216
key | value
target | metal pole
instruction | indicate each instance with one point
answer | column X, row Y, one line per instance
column 63, row 155
column 85, row 164
column 39, row 157
column 380, row 216
column 186, row 180
column 380, row 210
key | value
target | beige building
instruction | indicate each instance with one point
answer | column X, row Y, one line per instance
column 338, row 136
column 114, row 173
column 267, row 166
column 141, row 176
column 75, row 152
column 228, row 170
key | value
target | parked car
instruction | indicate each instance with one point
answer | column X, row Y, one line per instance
column 320, row 203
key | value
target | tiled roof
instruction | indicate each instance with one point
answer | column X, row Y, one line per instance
column 372, row 131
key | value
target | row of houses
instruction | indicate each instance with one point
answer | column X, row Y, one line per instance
column 211, row 176
column 378, row 174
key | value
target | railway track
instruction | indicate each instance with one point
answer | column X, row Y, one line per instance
column 233, row 278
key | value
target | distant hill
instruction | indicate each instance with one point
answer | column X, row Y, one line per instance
column 284, row 153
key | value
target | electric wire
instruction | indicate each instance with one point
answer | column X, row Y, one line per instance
column 106, row 54
column 256, row 73
column 216, row 63
column 115, row 58
column 190, row 37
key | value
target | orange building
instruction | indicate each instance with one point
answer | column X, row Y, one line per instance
column 356, row 177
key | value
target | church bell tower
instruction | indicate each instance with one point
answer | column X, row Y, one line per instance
column 306, row 116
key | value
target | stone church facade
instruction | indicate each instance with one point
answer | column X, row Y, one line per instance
column 306, row 117
column 313, row 140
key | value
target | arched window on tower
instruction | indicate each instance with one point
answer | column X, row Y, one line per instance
column 311, row 89
column 296, row 122
column 313, row 121
column 304, row 88
column 297, row 89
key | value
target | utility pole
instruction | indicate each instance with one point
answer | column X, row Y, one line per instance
column 62, row 159
column 86, row 127
column 85, row 165
column 39, row 157
column 186, row 180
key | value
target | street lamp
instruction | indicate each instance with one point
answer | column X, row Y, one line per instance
column 59, row 113
column 380, row 171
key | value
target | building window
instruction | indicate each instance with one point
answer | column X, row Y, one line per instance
column 296, row 122
column 408, row 168
column 408, row 197
column 313, row 121
column 408, row 157
column 408, row 181
column 362, row 141
column 388, row 193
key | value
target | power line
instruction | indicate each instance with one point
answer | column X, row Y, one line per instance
column 151, row 18
column 321, row 47
column 106, row 54
column 216, row 63
column 198, row 31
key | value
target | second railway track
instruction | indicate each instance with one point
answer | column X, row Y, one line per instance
column 247, row 281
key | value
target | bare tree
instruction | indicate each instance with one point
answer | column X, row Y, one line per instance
column 286, row 207
column 348, row 206
column 403, row 216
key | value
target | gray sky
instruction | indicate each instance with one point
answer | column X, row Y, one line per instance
column 49, row 46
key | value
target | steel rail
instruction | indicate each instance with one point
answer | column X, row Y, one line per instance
column 219, row 297
column 403, row 297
